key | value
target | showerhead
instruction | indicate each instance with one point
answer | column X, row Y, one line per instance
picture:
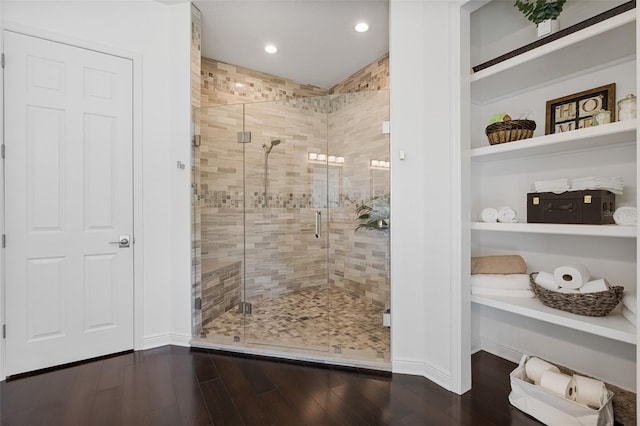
column 273, row 143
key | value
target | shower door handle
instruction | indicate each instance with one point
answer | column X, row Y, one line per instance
column 318, row 223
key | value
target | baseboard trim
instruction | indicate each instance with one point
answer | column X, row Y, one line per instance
column 420, row 368
column 158, row 340
column 501, row 351
column 476, row 345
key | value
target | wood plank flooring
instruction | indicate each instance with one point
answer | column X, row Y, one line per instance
column 177, row 386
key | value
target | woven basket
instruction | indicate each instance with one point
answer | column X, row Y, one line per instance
column 597, row 304
column 509, row 131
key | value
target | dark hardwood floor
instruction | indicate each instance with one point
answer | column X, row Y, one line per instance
column 178, row 386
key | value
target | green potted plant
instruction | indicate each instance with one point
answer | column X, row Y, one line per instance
column 543, row 13
column 373, row 213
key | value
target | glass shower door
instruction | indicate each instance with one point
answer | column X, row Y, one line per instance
column 218, row 237
column 286, row 238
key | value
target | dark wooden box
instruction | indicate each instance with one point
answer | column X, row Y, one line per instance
column 590, row 207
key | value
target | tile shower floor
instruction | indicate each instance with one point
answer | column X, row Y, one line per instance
column 325, row 320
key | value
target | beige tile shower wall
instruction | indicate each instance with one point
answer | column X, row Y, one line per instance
column 359, row 260
column 281, row 253
column 224, row 84
column 374, row 76
column 196, row 237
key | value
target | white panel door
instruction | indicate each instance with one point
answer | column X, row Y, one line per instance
column 69, row 195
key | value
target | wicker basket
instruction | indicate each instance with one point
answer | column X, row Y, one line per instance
column 509, row 131
column 597, row 304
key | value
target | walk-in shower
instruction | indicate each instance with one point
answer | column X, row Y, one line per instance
column 255, row 210
column 267, row 150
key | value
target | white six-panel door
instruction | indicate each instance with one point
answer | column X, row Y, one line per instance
column 69, row 195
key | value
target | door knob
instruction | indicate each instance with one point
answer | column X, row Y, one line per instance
column 123, row 242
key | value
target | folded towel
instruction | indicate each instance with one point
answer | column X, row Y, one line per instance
column 612, row 184
column 557, row 185
column 505, row 264
column 501, row 281
column 502, row 293
column 629, row 300
column 630, row 316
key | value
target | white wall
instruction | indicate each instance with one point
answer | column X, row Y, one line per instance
column 160, row 35
column 424, row 231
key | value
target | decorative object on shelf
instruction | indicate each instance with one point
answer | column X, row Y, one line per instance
column 553, row 407
column 509, row 131
column 627, row 108
column 601, row 117
column 373, row 213
column 576, row 111
column 543, row 13
column 626, row 216
column 597, row 304
column 590, row 207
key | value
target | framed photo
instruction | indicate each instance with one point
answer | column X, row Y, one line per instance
column 576, row 111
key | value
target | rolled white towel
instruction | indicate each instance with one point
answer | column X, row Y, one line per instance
column 506, row 215
column 481, row 291
column 626, row 216
column 595, row 286
column 629, row 300
column 630, row 316
column 501, row 281
column 489, row 215
column 546, row 280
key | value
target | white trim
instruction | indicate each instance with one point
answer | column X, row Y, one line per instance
column 436, row 374
column 183, row 340
column 499, row 350
column 136, row 59
column 156, row 340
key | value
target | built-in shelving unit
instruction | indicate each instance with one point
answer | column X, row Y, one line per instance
column 618, row 133
column 602, row 43
column 559, row 229
column 599, row 54
column 613, row 326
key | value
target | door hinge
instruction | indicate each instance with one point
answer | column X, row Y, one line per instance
column 196, row 140
column 4, row 331
column 198, row 303
column 244, row 308
column 2, row 151
column 2, row 60
column 4, row 240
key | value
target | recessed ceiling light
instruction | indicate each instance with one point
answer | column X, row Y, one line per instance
column 361, row 27
column 270, row 48
column 239, row 85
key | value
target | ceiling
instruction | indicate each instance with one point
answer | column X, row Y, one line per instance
column 315, row 38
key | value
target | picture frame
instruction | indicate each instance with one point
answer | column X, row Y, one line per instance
column 576, row 111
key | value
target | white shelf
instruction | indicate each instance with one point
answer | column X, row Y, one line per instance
column 618, row 133
column 559, row 229
column 609, row 41
column 613, row 326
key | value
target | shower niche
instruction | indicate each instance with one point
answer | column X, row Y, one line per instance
column 278, row 263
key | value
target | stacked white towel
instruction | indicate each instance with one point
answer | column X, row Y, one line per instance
column 506, row 285
column 612, row 184
column 557, row 185
column 629, row 307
